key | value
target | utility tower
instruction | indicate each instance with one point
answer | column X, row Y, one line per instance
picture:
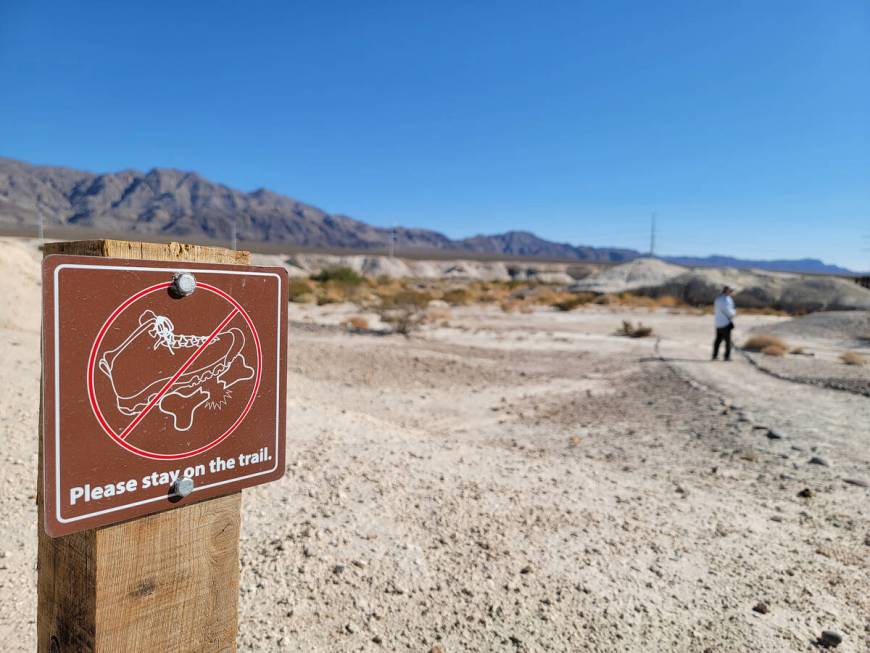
column 652, row 236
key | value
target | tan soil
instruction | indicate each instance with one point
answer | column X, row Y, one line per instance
column 521, row 482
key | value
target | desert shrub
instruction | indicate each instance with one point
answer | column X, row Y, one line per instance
column 297, row 288
column 853, row 358
column 760, row 341
column 356, row 323
column 630, row 299
column 409, row 298
column 798, row 351
column 632, row 331
column 342, row 274
column 668, row 301
column 403, row 320
column 437, row 314
column 641, row 331
column 606, row 300
column 511, row 305
column 336, row 293
column 575, row 300
column 458, row 296
column 774, row 350
column 543, row 295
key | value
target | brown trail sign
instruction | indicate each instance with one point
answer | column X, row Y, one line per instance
column 164, row 384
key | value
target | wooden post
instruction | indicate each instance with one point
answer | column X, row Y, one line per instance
column 166, row 582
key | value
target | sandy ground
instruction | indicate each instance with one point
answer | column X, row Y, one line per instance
column 524, row 482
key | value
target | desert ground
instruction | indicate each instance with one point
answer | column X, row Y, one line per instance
column 525, row 481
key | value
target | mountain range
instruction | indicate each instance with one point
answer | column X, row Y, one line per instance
column 184, row 205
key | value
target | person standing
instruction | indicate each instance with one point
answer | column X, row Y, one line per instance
column 723, row 315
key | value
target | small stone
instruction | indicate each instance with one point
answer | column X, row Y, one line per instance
column 829, row 639
column 760, row 607
column 856, row 481
column 806, row 493
column 526, row 570
column 437, row 649
column 773, row 435
column 377, row 639
column 337, row 569
column 815, row 460
column 350, row 628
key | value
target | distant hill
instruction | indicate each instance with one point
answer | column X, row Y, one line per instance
column 173, row 203
column 809, row 265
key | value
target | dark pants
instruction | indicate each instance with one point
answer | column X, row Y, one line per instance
column 723, row 335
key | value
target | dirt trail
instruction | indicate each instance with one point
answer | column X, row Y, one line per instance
column 820, row 421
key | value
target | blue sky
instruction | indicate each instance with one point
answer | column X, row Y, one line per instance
column 744, row 125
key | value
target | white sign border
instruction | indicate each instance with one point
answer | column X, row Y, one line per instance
column 83, row 266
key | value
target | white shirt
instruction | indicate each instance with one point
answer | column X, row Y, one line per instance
column 724, row 311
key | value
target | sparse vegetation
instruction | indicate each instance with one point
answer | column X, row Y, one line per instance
column 575, row 300
column 761, row 341
column 632, row 331
column 668, row 301
column 853, row 358
column 458, row 296
column 340, row 274
column 407, row 298
column 774, row 350
column 299, row 288
column 356, row 323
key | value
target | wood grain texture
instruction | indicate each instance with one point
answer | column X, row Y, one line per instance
column 168, row 581
column 149, row 251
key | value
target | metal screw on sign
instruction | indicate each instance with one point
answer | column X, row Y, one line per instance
column 183, row 284
column 182, row 487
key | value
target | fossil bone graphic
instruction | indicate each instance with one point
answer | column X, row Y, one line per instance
column 146, row 360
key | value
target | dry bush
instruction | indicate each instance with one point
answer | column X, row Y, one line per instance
column 760, row 341
column 606, row 300
column 774, row 350
column 574, row 300
column 767, row 310
column 630, row 299
column 297, row 288
column 404, row 320
column 632, row 331
column 356, row 323
column 341, row 274
column 458, row 296
column 493, row 291
column 853, row 358
column 668, row 301
column 641, row 331
column 511, row 305
column 437, row 314
column 797, row 351
column 543, row 295
column 330, row 293
column 407, row 298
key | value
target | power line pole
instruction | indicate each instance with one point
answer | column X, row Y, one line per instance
column 652, row 236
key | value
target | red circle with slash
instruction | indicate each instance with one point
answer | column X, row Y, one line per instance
column 121, row 438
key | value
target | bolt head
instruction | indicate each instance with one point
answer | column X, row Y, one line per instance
column 183, row 284
column 183, row 486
